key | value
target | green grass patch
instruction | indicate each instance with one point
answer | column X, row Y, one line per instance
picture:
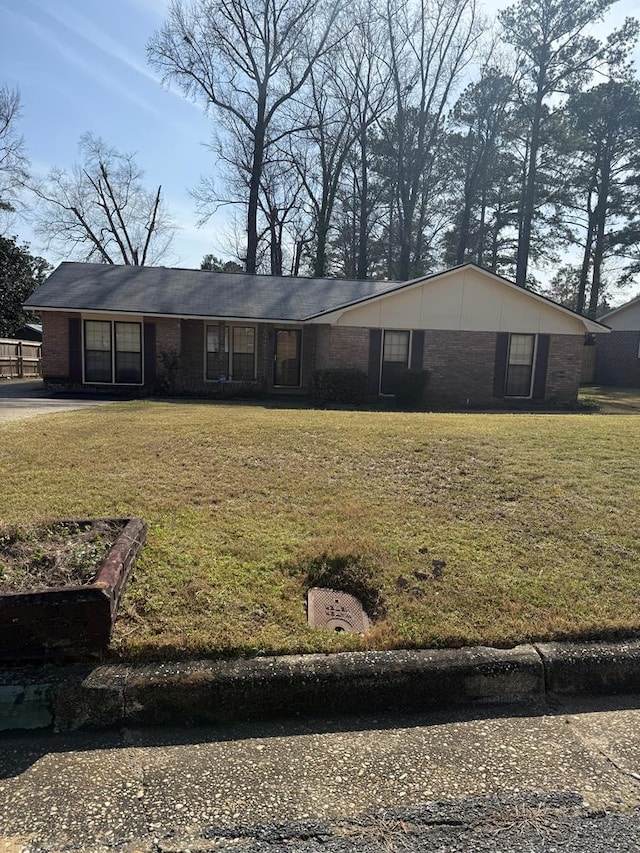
column 464, row 528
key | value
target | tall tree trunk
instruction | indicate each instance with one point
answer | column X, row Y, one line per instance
column 275, row 242
column 320, row 256
column 297, row 257
column 586, row 263
column 495, row 238
column 481, row 230
column 254, row 187
column 529, row 200
column 390, row 243
column 363, row 215
column 463, row 232
column 465, row 219
column 598, row 249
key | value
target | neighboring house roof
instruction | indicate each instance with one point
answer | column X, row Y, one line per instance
column 159, row 291
column 29, row 332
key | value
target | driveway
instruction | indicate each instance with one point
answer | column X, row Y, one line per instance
column 26, row 398
column 612, row 401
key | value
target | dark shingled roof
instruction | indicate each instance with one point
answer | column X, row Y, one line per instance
column 197, row 293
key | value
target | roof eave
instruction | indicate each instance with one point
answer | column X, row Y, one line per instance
column 159, row 315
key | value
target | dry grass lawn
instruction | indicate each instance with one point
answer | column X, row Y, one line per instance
column 531, row 520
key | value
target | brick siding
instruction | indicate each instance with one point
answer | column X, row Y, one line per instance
column 460, row 366
column 564, row 368
column 167, row 335
column 55, row 346
column 617, row 361
column 342, row 346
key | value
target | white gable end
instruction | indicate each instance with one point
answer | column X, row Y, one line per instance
column 624, row 319
column 465, row 299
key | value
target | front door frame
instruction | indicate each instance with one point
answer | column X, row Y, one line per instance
column 298, row 334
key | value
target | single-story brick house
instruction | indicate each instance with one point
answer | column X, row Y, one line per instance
column 618, row 354
column 479, row 336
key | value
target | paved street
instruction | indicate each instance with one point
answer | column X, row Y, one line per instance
column 26, row 398
column 548, row 778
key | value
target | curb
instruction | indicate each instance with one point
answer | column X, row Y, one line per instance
column 196, row 692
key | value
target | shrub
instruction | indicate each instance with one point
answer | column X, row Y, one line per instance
column 339, row 385
column 168, row 373
column 410, row 385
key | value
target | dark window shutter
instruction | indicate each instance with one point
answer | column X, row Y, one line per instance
column 500, row 367
column 540, row 374
column 417, row 349
column 375, row 346
column 75, row 349
column 149, row 353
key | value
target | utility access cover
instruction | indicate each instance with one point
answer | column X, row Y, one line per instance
column 332, row 610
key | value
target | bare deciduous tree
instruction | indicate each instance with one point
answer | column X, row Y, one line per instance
column 432, row 44
column 246, row 59
column 100, row 210
column 13, row 159
column 349, row 93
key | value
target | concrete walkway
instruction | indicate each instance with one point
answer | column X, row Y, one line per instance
column 561, row 776
column 26, row 398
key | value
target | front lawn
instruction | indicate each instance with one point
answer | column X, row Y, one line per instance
column 470, row 528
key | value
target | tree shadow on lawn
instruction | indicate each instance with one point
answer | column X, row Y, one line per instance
column 284, row 403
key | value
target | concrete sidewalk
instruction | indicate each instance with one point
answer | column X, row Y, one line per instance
column 68, row 698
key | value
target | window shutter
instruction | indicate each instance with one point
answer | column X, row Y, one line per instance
column 375, row 346
column 149, row 353
column 500, row 367
column 542, row 361
column 417, row 349
column 75, row 349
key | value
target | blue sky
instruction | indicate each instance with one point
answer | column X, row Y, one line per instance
column 81, row 66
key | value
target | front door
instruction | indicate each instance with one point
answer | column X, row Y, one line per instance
column 287, row 358
column 395, row 358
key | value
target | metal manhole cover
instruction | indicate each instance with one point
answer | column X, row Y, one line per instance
column 332, row 610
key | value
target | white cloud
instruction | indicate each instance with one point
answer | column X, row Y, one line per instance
column 88, row 68
column 85, row 29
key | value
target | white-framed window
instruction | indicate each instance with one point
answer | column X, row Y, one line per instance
column 112, row 352
column 519, row 380
column 230, row 353
column 394, row 358
column 217, row 356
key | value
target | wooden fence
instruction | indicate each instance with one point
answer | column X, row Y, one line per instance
column 20, row 359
